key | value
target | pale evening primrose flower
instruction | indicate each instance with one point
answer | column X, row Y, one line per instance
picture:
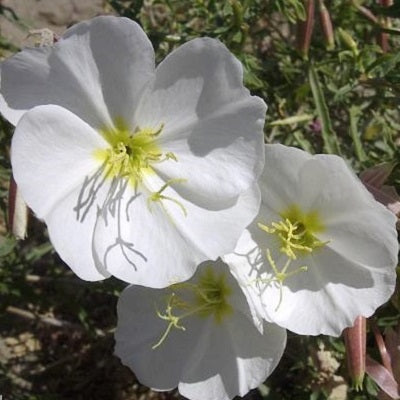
column 138, row 172
column 321, row 250
column 201, row 336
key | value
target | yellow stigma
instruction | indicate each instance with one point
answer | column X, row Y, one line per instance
column 206, row 298
column 296, row 231
column 131, row 154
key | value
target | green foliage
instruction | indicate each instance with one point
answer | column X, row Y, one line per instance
column 343, row 100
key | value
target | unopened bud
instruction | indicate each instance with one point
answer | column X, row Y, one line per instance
column 237, row 9
column 366, row 12
column 355, row 339
column 348, row 41
column 17, row 212
column 326, row 23
column 305, row 29
column 383, row 37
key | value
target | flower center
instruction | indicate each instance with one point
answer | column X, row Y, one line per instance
column 131, row 154
column 206, row 298
column 296, row 231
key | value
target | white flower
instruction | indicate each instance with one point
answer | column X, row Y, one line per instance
column 321, row 250
column 201, row 336
column 135, row 164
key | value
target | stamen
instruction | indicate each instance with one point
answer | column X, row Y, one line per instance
column 207, row 297
column 132, row 155
column 173, row 321
column 280, row 275
column 295, row 232
column 158, row 196
column 295, row 237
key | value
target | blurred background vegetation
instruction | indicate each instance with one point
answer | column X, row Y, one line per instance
column 327, row 92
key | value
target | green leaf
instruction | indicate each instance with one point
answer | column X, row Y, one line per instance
column 354, row 115
column 294, row 119
column 329, row 137
column 7, row 245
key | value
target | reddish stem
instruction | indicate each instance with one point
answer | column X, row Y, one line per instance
column 385, row 356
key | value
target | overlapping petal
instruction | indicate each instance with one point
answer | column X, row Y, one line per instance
column 85, row 71
column 209, row 360
column 211, row 123
column 50, row 174
column 159, row 243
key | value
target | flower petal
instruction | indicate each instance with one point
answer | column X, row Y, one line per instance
column 159, row 243
column 211, row 123
column 11, row 114
column 368, row 236
column 357, row 262
column 139, row 329
column 209, row 360
column 226, row 224
column 336, row 198
column 141, row 246
column 282, row 164
column 231, row 360
column 96, row 70
column 51, row 154
column 321, row 300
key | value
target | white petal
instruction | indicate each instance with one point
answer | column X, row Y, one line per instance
column 211, row 123
column 246, row 264
column 96, row 70
column 213, row 232
column 73, row 239
column 333, row 189
column 279, row 182
column 139, row 329
column 325, row 299
column 155, row 244
column 356, row 225
column 209, row 360
column 9, row 113
column 51, row 154
column 231, row 360
column 330, row 295
column 142, row 246
column 368, row 236
column 353, row 274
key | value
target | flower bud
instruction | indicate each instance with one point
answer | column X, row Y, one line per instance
column 326, row 23
column 366, row 12
column 348, row 41
column 355, row 341
column 17, row 212
column 383, row 37
column 305, row 28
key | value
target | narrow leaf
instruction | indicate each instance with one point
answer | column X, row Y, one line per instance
column 354, row 115
column 294, row 119
column 329, row 137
